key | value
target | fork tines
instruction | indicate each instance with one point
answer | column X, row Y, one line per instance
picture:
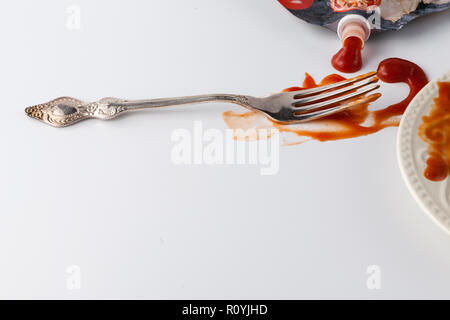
column 330, row 95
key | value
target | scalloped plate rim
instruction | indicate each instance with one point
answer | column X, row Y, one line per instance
column 418, row 107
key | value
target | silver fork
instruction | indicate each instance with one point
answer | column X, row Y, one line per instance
column 287, row 107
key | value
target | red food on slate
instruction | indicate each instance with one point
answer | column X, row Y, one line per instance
column 297, row 4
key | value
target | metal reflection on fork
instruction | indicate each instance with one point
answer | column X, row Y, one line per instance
column 287, row 107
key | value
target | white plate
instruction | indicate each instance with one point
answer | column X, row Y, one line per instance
column 433, row 197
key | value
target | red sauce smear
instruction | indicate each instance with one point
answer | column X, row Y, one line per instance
column 395, row 70
column 435, row 130
column 353, row 122
column 349, row 58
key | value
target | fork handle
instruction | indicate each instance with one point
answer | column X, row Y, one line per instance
column 132, row 105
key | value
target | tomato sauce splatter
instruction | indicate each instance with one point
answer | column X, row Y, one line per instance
column 351, row 123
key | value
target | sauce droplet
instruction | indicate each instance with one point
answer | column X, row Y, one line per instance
column 349, row 58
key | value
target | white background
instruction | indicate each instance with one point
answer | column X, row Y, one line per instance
column 106, row 197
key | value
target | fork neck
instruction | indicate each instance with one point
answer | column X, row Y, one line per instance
column 158, row 103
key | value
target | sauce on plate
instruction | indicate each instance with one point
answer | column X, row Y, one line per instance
column 435, row 130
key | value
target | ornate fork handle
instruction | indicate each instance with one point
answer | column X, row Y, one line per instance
column 66, row 111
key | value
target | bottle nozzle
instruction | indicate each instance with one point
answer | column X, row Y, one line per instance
column 354, row 25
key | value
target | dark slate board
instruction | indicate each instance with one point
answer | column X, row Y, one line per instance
column 321, row 13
